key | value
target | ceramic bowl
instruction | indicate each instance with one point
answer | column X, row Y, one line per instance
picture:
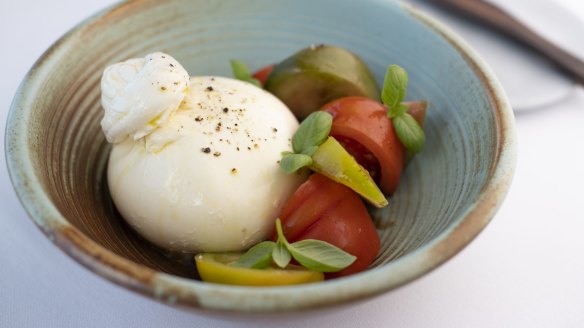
column 56, row 151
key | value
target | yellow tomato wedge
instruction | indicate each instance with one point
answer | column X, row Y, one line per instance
column 215, row 268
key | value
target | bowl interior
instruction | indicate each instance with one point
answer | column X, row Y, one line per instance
column 59, row 121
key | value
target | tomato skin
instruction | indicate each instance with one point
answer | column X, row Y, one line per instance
column 325, row 210
column 263, row 73
column 309, row 203
column 365, row 122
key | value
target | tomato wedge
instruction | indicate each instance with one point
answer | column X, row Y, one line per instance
column 325, row 210
column 349, row 227
column 362, row 125
column 215, row 268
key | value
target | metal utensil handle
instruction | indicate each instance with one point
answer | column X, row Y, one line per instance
column 493, row 16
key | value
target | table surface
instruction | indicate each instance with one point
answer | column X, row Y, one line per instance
column 525, row 270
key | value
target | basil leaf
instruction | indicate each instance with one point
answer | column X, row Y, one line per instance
column 293, row 162
column 409, row 132
column 242, row 73
column 312, row 132
column 320, row 256
column 257, row 257
column 395, row 84
column 310, row 150
column 397, row 111
column 313, row 254
column 280, row 255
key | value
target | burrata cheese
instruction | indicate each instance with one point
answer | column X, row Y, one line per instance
column 205, row 177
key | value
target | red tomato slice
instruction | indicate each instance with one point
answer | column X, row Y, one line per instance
column 325, row 210
column 263, row 73
column 309, row 203
column 364, row 122
column 349, row 227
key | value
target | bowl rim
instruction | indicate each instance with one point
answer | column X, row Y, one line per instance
column 213, row 297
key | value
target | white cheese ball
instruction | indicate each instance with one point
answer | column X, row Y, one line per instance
column 208, row 179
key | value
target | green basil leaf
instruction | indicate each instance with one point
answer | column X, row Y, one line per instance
column 409, row 132
column 242, row 73
column 397, row 111
column 320, row 256
column 280, row 232
column 280, row 255
column 312, row 132
column 310, row 150
column 394, row 87
column 257, row 257
column 293, row 162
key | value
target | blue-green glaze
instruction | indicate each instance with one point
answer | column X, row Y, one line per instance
column 447, row 195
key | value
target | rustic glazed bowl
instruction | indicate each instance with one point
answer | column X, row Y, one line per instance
column 56, row 152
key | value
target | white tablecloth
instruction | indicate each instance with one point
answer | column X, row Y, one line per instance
column 525, row 270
